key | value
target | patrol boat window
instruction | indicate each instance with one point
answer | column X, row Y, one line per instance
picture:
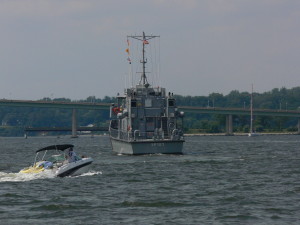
column 133, row 104
column 171, row 102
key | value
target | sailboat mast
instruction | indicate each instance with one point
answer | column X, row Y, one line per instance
column 251, row 110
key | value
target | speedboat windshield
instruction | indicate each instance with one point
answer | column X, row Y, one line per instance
column 56, row 158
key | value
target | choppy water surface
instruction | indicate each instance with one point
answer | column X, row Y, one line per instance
column 218, row 180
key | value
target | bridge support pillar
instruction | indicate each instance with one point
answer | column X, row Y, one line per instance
column 229, row 125
column 298, row 131
column 74, row 124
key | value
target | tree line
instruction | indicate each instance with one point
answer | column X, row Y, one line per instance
column 15, row 119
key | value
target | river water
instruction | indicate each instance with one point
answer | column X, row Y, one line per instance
column 218, row 180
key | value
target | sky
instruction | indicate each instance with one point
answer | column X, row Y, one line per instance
column 76, row 48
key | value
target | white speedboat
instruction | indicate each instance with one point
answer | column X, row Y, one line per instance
column 54, row 157
column 74, row 168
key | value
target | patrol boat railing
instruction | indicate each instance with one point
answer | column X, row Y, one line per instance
column 137, row 135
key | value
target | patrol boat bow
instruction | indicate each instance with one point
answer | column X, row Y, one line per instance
column 145, row 120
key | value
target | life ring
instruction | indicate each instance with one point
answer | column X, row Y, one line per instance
column 116, row 110
column 171, row 126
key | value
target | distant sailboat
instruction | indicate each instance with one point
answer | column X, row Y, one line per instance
column 251, row 133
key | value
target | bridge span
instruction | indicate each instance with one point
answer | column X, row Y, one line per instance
column 229, row 112
column 188, row 109
column 240, row 111
column 55, row 104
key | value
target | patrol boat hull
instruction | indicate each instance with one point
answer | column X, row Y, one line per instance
column 147, row 147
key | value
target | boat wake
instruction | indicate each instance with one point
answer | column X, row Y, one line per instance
column 90, row 173
column 47, row 174
column 21, row 177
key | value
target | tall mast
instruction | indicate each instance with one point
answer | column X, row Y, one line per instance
column 251, row 110
column 144, row 40
column 144, row 61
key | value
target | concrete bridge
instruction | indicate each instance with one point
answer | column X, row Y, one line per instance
column 229, row 112
column 53, row 104
column 59, row 105
column 36, row 129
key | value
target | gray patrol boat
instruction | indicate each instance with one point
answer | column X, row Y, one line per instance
column 145, row 120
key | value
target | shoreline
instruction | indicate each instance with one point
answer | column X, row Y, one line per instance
column 238, row 134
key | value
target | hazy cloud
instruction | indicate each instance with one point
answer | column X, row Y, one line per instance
column 75, row 48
